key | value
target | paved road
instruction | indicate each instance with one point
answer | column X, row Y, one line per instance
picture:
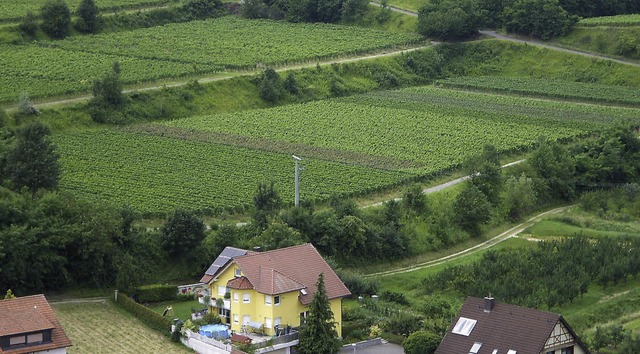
column 386, row 348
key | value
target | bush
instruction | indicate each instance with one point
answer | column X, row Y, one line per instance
column 56, row 17
column 421, row 342
column 357, row 284
column 540, row 18
column 403, row 324
column 448, row 20
column 29, row 24
column 156, row 293
column 89, row 19
column 149, row 317
column 201, row 9
column 392, row 296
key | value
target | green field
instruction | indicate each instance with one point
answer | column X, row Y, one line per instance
column 179, row 50
column 615, row 21
column 14, row 10
column 350, row 146
column 610, row 40
column 101, row 327
column 548, row 88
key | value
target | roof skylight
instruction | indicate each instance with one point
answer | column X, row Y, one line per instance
column 464, row 326
column 475, row 348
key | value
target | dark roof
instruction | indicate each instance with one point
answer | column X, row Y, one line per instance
column 506, row 327
column 289, row 269
column 31, row 314
column 223, row 259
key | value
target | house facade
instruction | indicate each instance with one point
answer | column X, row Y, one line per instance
column 270, row 292
column 29, row 325
column 485, row 327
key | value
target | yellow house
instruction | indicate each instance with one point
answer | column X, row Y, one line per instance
column 270, row 292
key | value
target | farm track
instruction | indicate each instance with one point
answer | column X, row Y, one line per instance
column 512, row 232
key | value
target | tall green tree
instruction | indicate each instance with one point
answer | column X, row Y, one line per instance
column 56, row 18
column 89, row 19
column 266, row 204
column 471, row 209
column 448, row 19
column 182, row 233
column 33, row 162
column 318, row 335
column 201, row 9
column 486, row 173
column 544, row 19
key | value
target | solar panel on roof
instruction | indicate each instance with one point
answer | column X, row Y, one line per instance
column 225, row 256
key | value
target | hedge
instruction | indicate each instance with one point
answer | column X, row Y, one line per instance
column 145, row 314
column 156, row 293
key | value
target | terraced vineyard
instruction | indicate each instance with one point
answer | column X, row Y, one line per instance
column 350, row 145
column 234, row 42
column 548, row 88
column 14, row 10
column 615, row 21
column 177, row 50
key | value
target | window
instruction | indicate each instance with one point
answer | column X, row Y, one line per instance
column 267, row 300
column 267, row 322
column 238, row 272
column 246, row 298
column 235, row 297
column 475, row 348
column 277, row 321
column 568, row 350
column 303, row 317
column 246, row 319
column 464, row 326
column 222, row 290
column 35, row 338
column 17, row 340
column 235, row 318
column 276, row 300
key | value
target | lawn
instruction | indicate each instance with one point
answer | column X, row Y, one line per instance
column 181, row 309
column 103, row 328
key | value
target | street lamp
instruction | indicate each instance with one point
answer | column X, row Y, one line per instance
column 297, row 199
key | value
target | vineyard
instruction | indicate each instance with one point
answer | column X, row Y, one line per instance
column 614, row 21
column 350, row 145
column 11, row 10
column 237, row 43
column 175, row 51
column 548, row 88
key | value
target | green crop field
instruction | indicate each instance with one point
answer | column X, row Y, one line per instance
column 350, row 146
column 13, row 10
column 614, row 21
column 103, row 328
column 178, row 50
column 234, row 42
column 548, row 88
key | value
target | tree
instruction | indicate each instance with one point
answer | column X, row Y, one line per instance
column 29, row 24
column 201, row 9
column 353, row 10
column 9, row 295
column 486, row 173
column 181, row 233
column 448, row 19
column 519, row 196
column 33, row 162
column 421, row 342
column 318, row 334
column 541, row 18
column 552, row 163
column 414, row 200
column 56, row 18
column 89, row 19
column 108, row 90
column 271, row 88
column 471, row 209
column 278, row 235
column 266, row 203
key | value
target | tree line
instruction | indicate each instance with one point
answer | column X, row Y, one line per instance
column 454, row 19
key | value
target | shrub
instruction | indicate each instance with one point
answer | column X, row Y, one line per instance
column 421, row 342
column 149, row 317
column 392, row 296
column 357, row 284
column 156, row 293
column 29, row 24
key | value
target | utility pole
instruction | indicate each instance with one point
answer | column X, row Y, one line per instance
column 297, row 199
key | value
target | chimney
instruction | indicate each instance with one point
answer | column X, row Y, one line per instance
column 489, row 303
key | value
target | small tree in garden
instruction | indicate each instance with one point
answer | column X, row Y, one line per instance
column 318, row 335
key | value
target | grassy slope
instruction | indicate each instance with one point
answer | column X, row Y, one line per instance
column 613, row 41
column 102, row 328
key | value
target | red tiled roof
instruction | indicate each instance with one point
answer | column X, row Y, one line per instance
column 506, row 327
column 30, row 314
column 240, row 283
column 288, row 269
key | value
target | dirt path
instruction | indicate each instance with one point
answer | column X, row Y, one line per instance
column 55, row 301
column 512, row 232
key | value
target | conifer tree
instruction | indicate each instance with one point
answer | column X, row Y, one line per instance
column 318, row 335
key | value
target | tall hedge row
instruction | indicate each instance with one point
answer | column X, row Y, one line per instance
column 155, row 293
column 145, row 314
